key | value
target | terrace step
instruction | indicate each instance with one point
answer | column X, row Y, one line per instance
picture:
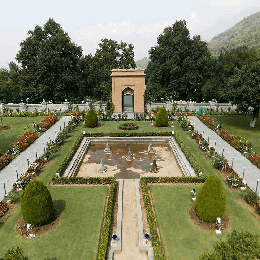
column 75, row 163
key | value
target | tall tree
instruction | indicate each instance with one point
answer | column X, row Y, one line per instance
column 244, row 89
column 225, row 67
column 179, row 65
column 50, row 64
column 110, row 55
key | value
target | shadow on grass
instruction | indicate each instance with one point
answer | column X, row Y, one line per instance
column 59, row 205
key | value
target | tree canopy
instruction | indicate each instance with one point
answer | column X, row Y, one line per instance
column 179, row 66
column 50, row 64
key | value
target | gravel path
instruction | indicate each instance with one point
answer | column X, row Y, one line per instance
column 130, row 242
column 9, row 176
column 239, row 162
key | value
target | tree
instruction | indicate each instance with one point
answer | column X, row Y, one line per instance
column 239, row 246
column 15, row 253
column 179, row 65
column 161, row 119
column 244, row 89
column 91, row 119
column 36, row 204
column 211, row 200
column 224, row 67
column 50, row 64
column 110, row 55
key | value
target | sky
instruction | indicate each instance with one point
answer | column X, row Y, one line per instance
column 136, row 22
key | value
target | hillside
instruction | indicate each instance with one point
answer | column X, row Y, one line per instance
column 142, row 64
column 246, row 32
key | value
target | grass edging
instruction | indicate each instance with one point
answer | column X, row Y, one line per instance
column 108, row 218
column 151, row 218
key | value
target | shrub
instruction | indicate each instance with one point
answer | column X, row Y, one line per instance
column 249, row 196
column 161, row 117
column 239, row 245
column 211, row 200
column 15, row 253
column 91, row 118
column 36, row 204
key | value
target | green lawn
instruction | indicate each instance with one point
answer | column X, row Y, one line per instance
column 18, row 124
column 112, row 127
column 77, row 235
column 239, row 125
column 181, row 239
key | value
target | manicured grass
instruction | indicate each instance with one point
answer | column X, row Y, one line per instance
column 77, row 235
column 181, row 239
column 112, row 127
column 18, row 124
column 239, row 125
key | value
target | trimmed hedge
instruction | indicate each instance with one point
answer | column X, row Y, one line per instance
column 151, row 218
column 125, row 134
column 211, row 200
column 91, row 118
column 161, row 119
column 36, row 204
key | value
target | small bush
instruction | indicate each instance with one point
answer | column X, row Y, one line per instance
column 36, row 204
column 211, row 200
column 161, row 119
column 91, row 119
column 15, row 253
column 249, row 196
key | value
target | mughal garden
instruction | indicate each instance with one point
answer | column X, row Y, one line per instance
column 103, row 160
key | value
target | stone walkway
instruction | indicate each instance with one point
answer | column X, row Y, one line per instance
column 130, row 241
column 239, row 162
column 9, row 176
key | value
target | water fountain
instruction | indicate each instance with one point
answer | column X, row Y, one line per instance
column 129, row 156
column 150, row 148
column 102, row 167
column 154, row 167
column 107, row 148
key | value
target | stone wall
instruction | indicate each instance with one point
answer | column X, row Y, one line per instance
column 97, row 105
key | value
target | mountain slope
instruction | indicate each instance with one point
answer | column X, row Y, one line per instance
column 246, row 32
column 142, row 64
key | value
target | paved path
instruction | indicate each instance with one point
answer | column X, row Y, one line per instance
column 130, row 242
column 239, row 162
column 9, row 175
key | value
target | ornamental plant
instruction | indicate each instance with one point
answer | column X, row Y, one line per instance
column 91, row 119
column 36, row 204
column 161, row 119
column 211, row 200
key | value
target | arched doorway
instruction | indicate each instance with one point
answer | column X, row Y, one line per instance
column 128, row 100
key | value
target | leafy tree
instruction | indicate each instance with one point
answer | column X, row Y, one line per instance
column 239, row 246
column 225, row 67
column 36, row 204
column 179, row 65
column 211, row 200
column 110, row 55
column 50, row 64
column 244, row 89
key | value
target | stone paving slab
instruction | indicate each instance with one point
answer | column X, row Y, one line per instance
column 235, row 158
column 9, row 175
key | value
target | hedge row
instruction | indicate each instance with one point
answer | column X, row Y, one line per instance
column 157, row 247
column 188, row 154
column 123, row 134
column 67, row 160
column 108, row 219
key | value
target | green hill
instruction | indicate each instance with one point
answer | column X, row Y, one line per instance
column 246, row 32
column 142, row 64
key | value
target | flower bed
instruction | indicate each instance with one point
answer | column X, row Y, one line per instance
column 46, row 123
column 239, row 143
column 3, row 208
column 128, row 126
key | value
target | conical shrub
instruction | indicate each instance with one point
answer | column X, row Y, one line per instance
column 36, row 204
column 161, row 118
column 211, row 200
column 91, row 119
